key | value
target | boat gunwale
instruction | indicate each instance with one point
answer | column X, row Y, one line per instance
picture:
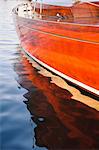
column 61, row 36
column 54, row 22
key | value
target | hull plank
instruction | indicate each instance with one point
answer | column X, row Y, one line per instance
column 65, row 55
column 88, row 33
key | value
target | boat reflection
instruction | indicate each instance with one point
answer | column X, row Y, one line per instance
column 62, row 121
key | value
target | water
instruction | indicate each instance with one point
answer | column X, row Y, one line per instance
column 38, row 110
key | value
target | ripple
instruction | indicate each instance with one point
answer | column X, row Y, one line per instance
column 77, row 95
column 16, row 125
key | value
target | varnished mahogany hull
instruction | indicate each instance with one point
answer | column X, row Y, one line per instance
column 69, row 50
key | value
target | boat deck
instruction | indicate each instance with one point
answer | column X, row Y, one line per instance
column 62, row 14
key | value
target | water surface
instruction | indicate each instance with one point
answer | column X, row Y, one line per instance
column 39, row 110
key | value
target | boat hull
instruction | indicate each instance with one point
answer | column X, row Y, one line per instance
column 73, row 57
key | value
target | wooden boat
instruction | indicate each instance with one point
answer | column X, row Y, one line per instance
column 63, row 39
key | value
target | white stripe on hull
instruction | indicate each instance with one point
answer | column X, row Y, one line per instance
column 80, row 84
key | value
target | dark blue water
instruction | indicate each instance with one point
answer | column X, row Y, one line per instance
column 35, row 113
column 16, row 126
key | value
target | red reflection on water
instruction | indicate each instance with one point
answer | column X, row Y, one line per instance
column 67, row 124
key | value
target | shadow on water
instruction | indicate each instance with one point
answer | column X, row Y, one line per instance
column 62, row 122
